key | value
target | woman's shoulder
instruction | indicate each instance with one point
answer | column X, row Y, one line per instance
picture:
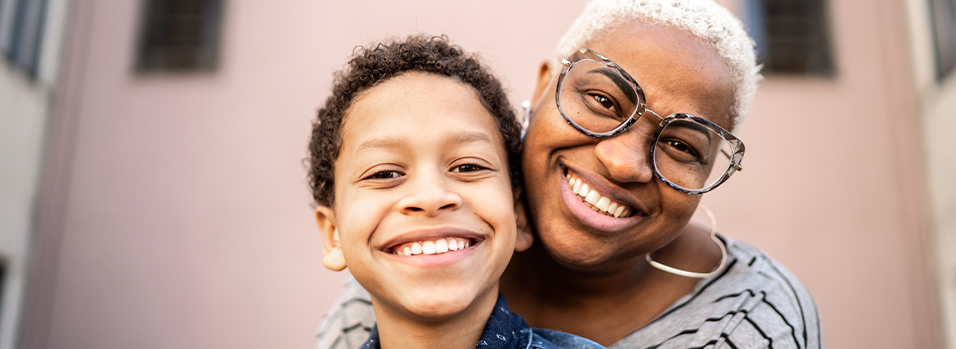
column 349, row 320
column 755, row 302
column 757, row 275
column 757, row 270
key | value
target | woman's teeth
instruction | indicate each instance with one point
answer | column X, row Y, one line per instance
column 597, row 202
column 437, row 246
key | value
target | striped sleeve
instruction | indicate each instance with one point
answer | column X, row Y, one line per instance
column 349, row 321
column 754, row 303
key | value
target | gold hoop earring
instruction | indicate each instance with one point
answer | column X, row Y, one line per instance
column 526, row 106
column 690, row 274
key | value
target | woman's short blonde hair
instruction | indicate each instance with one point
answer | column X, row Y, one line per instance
column 713, row 24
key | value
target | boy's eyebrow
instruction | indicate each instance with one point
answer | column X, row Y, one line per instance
column 398, row 142
column 468, row 137
column 384, row 142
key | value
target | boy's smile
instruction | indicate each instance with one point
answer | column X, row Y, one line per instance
column 423, row 210
column 411, row 246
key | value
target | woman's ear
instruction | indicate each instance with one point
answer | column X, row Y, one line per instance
column 332, row 256
column 544, row 78
column 523, row 238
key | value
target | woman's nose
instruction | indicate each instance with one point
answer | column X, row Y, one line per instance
column 429, row 196
column 626, row 157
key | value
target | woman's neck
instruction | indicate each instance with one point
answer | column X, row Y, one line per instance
column 536, row 274
column 603, row 304
column 400, row 329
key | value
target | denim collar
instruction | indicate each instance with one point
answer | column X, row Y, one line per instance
column 503, row 330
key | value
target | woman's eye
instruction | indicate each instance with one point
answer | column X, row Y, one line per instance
column 604, row 101
column 387, row 174
column 467, row 168
column 680, row 146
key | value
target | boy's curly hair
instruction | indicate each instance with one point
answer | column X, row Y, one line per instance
column 369, row 66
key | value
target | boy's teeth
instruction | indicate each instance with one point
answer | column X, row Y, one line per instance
column 596, row 201
column 428, row 247
column 437, row 246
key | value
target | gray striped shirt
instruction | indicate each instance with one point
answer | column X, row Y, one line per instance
column 753, row 303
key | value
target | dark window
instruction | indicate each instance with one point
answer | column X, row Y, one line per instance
column 180, row 35
column 21, row 31
column 791, row 36
column 944, row 33
column 3, row 22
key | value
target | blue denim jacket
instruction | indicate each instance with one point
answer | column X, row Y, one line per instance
column 505, row 330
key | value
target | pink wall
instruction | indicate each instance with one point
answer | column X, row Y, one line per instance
column 833, row 185
column 183, row 218
column 185, row 213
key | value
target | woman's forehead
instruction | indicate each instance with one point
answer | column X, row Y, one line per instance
column 675, row 68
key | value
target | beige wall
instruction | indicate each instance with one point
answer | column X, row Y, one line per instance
column 179, row 214
column 22, row 124
column 833, row 184
column 180, row 217
column 25, row 105
column 937, row 102
column 940, row 121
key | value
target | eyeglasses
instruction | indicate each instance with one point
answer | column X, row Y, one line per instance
column 600, row 99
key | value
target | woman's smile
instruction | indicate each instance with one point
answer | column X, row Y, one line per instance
column 595, row 202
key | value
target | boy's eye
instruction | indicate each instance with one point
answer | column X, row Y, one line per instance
column 467, row 168
column 386, row 174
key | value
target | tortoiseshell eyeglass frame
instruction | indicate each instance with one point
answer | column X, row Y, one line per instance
column 737, row 146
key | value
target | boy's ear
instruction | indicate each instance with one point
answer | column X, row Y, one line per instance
column 544, row 78
column 332, row 256
column 523, row 238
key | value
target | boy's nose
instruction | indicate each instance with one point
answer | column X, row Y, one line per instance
column 429, row 197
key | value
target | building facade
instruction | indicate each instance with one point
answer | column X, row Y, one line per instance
column 154, row 195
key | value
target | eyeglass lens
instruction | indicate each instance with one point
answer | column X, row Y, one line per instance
column 691, row 155
column 599, row 99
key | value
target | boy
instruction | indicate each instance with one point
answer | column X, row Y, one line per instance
column 413, row 159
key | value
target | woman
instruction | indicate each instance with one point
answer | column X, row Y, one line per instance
column 623, row 136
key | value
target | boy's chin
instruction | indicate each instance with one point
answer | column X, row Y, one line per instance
column 441, row 305
column 437, row 309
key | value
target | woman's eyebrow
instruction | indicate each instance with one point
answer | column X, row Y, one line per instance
column 620, row 82
column 700, row 129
